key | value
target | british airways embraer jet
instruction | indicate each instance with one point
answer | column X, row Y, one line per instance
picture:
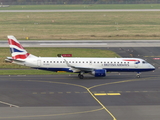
column 97, row 67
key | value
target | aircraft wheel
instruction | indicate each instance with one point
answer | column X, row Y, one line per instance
column 138, row 76
column 80, row 76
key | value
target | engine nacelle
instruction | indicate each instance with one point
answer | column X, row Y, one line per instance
column 99, row 73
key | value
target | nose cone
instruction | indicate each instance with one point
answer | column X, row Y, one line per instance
column 151, row 67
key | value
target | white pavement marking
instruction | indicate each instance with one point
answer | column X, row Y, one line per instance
column 88, row 43
column 11, row 105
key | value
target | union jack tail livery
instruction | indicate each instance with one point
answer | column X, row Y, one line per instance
column 17, row 50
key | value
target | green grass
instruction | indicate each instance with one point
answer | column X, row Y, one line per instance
column 28, row 72
column 87, row 6
column 52, row 52
column 24, row 72
column 13, row 69
column 81, row 25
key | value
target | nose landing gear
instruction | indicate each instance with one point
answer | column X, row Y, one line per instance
column 138, row 75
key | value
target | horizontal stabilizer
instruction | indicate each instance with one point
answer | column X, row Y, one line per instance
column 10, row 59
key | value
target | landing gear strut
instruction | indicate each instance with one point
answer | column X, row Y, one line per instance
column 138, row 75
column 80, row 75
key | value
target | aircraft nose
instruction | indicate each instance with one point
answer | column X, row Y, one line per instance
column 152, row 67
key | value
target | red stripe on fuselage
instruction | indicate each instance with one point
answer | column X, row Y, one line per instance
column 21, row 56
column 12, row 42
column 130, row 60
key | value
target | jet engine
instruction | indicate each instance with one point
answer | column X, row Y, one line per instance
column 99, row 73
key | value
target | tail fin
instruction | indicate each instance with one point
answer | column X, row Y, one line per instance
column 17, row 50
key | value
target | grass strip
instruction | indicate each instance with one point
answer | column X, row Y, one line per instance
column 28, row 72
column 45, row 52
column 52, row 52
column 81, row 6
column 81, row 25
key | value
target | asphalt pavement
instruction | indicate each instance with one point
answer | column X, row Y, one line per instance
column 118, row 96
column 86, row 43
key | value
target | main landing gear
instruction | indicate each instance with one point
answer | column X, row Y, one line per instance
column 80, row 75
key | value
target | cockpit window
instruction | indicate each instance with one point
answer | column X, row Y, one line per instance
column 144, row 62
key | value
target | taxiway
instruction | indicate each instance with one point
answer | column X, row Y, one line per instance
column 117, row 96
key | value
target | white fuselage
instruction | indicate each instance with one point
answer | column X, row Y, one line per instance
column 109, row 64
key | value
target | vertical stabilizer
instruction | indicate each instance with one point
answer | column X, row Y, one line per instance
column 17, row 50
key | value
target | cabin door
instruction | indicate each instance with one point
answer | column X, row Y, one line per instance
column 136, row 65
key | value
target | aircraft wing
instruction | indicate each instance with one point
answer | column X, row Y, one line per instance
column 82, row 68
column 78, row 69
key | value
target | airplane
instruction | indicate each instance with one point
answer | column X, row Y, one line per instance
column 98, row 67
